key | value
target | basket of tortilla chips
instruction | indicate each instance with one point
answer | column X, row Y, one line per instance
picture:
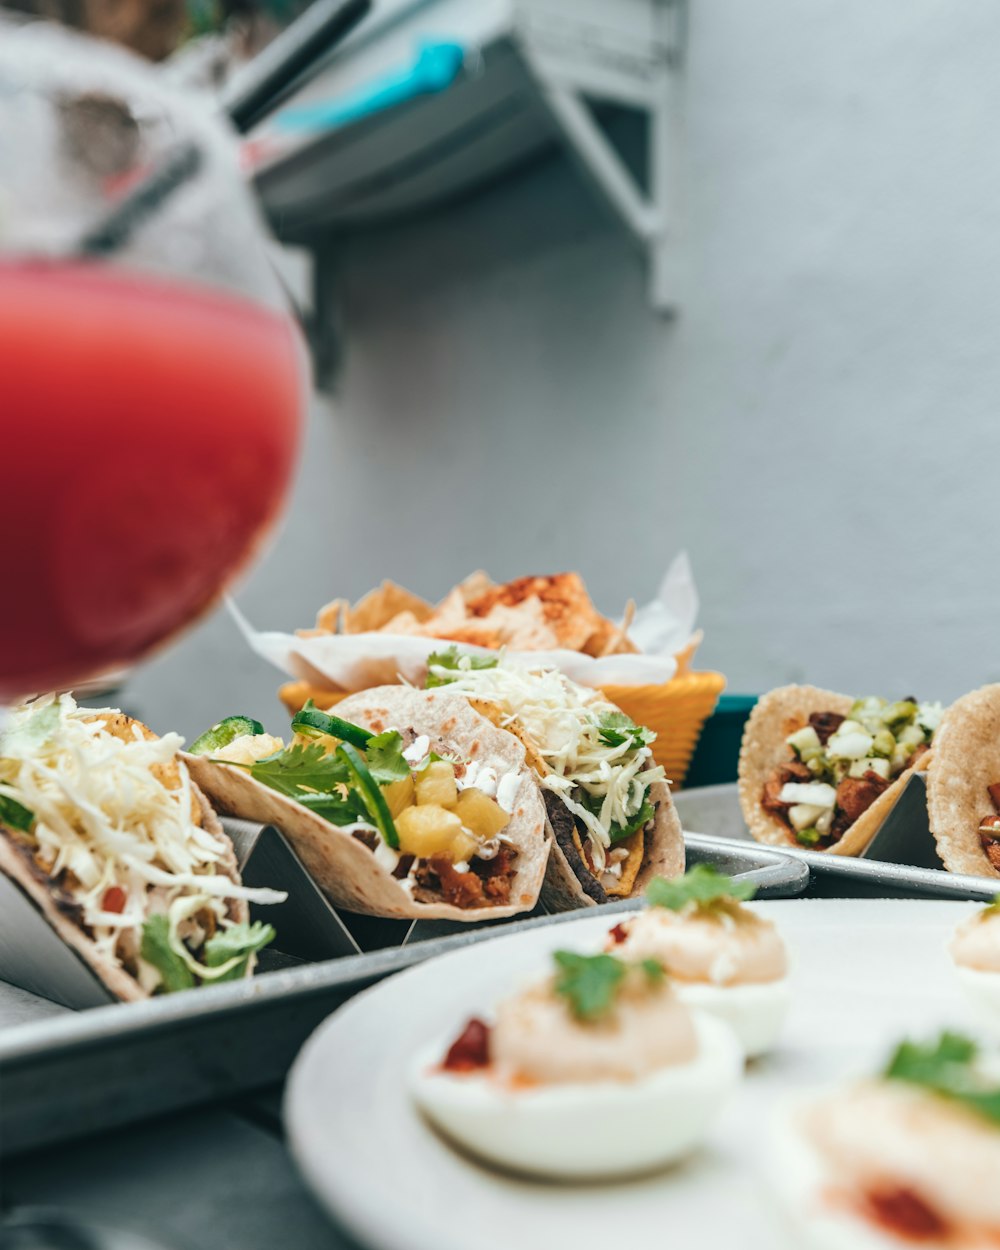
column 551, row 617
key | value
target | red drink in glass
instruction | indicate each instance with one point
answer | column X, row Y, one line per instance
column 149, row 432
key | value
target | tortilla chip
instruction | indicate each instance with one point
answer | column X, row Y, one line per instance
column 565, row 604
column 379, row 606
column 344, row 868
column 775, row 716
column 966, row 759
column 611, row 639
column 474, row 585
column 328, row 618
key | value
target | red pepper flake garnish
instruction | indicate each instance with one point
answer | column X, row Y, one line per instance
column 471, row 1050
column 618, row 934
column 114, row 899
column 906, row 1214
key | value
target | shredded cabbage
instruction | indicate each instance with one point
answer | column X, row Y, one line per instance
column 562, row 720
column 110, row 812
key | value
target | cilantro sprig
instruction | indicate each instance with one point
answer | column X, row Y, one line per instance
column 450, row 660
column 702, row 885
column 615, row 729
column 342, row 786
column 947, row 1068
column 590, row 983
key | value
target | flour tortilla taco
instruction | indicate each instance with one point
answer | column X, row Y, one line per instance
column 102, row 829
column 963, row 784
column 613, row 822
column 822, row 771
column 405, row 803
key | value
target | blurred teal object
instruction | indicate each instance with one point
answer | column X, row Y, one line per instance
column 437, row 66
column 716, row 757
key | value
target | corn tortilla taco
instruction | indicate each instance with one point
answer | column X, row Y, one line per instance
column 102, row 829
column 963, row 784
column 821, row 770
column 406, row 803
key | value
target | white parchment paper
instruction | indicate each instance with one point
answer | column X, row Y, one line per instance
column 350, row 662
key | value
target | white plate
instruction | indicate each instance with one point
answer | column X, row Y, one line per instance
column 866, row 972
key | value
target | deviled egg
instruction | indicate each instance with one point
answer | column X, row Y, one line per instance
column 909, row 1158
column 975, row 950
column 597, row 1071
column 721, row 957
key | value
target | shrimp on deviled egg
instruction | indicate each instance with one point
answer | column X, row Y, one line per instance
column 722, row 957
column 599, row 1070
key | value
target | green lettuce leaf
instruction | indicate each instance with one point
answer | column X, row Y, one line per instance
column 156, row 950
column 702, row 885
column 449, row 659
column 947, row 1068
column 15, row 815
column 235, row 941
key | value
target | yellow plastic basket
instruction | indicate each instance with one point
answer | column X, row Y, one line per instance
column 676, row 711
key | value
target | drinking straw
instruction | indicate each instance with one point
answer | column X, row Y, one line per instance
column 141, row 202
column 276, row 72
column 267, row 80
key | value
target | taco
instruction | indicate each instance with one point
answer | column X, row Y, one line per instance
column 822, row 771
column 963, row 784
column 613, row 822
column 103, row 830
column 407, row 803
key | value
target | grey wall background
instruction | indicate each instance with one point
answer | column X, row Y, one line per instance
column 818, row 426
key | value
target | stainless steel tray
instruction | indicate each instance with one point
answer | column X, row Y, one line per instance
column 900, row 862
column 65, row 1074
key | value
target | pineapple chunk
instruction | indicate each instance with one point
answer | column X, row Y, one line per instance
column 432, row 830
column 399, row 794
column 436, row 784
column 478, row 812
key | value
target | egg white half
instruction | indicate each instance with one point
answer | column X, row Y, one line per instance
column 800, row 1179
column 755, row 1012
column 982, row 989
column 595, row 1129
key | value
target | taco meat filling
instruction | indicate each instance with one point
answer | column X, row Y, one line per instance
column 989, row 828
column 840, row 765
column 486, row 883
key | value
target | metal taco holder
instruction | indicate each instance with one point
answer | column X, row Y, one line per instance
column 901, row 861
column 68, row 1073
